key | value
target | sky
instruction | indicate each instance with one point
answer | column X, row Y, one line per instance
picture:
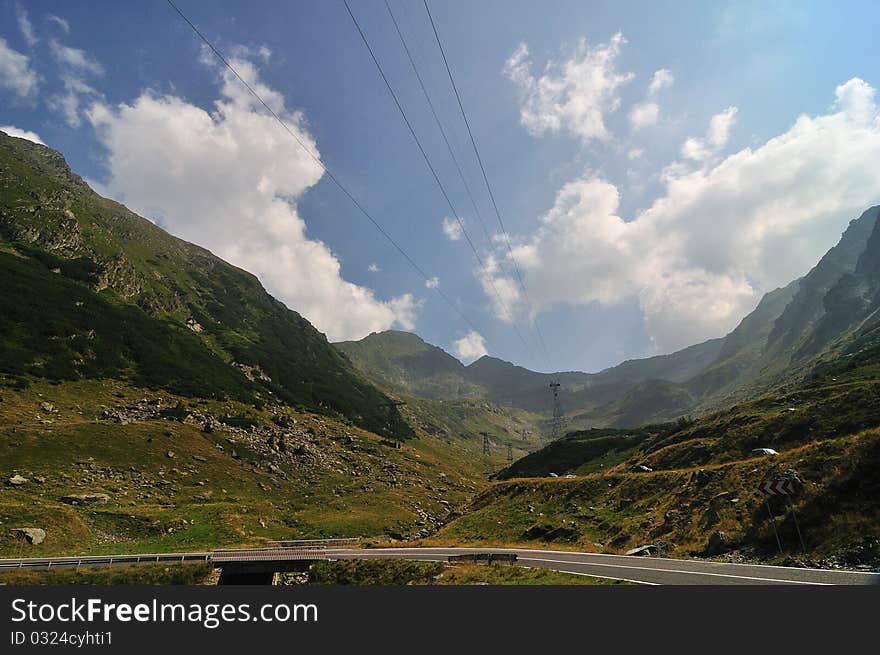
column 657, row 167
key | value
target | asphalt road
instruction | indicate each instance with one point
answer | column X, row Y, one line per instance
column 642, row 570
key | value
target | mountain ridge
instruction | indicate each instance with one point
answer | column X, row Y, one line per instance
column 125, row 270
column 766, row 348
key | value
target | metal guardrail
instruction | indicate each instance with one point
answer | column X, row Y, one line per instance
column 267, row 555
column 98, row 560
column 315, row 543
column 302, row 549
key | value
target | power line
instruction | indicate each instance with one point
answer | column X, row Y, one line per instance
column 486, row 180
column 439, row 124
column 415, row 137
column 326, row 170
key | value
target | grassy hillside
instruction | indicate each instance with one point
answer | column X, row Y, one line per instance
column 110, row 467
column 701, row 498
column 92, row 290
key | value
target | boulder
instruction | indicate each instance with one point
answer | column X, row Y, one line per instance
column 86, row 499
column 645, row 551
column 34, row 536
column 16, row 481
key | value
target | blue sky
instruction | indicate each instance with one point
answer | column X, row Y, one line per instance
column 648, row 159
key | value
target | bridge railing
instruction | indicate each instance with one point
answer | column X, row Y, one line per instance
column 267, row 554
column 315, row 543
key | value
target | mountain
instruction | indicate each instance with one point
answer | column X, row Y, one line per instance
column 405, row 363
column 155, row 398
column 805, row 368
column 792, row 330
column 91, row 290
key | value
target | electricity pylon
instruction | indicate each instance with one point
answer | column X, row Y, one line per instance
column 557, row 411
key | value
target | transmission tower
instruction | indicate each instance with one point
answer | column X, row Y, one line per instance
column 557, row 411
column 485, row 442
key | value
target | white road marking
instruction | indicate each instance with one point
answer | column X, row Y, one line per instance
column 646, row 568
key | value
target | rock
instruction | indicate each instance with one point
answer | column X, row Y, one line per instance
column 718, row 543
column 34, row 536
column 170, row 454
column 645, row 551
column 199, row 458
column 16, row 481
column 49, row 408
column 86, row 499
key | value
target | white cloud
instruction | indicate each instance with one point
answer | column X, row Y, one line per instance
column 452, row 229
column 74, row 58
column 16, row 74
column 644, row 114
column 661, row 79
column 574, row 95
column 76, row 65
column 25, row 26
column 470, row 347
column 432, row 283
column 60, row 22
column 635, row 153
column 229, row 180
column 716, row 137
column 76, row 93
column 647, row 112
column 699, row 258
column 373, row 268
column 11, row 130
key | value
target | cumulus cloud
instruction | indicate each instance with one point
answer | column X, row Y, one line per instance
column 700, row 149
column 432, row 283
column 661, row 79
column 699, row 258
column 573, row 95
column 25, row 26
column 11, row 130
column 16, row 74
column 470, row 347
column 229, row 179
column 373, row 268
column 452, row 229
column 646, row 113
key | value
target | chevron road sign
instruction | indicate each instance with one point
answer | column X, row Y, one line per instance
column 782, row 487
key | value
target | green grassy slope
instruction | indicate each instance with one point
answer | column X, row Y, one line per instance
column 184, row 473
column 704, row 481
column 94, row 290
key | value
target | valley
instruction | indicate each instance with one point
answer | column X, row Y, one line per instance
column 154, row 398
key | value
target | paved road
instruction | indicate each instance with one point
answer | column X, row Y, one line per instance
column 643, row 570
